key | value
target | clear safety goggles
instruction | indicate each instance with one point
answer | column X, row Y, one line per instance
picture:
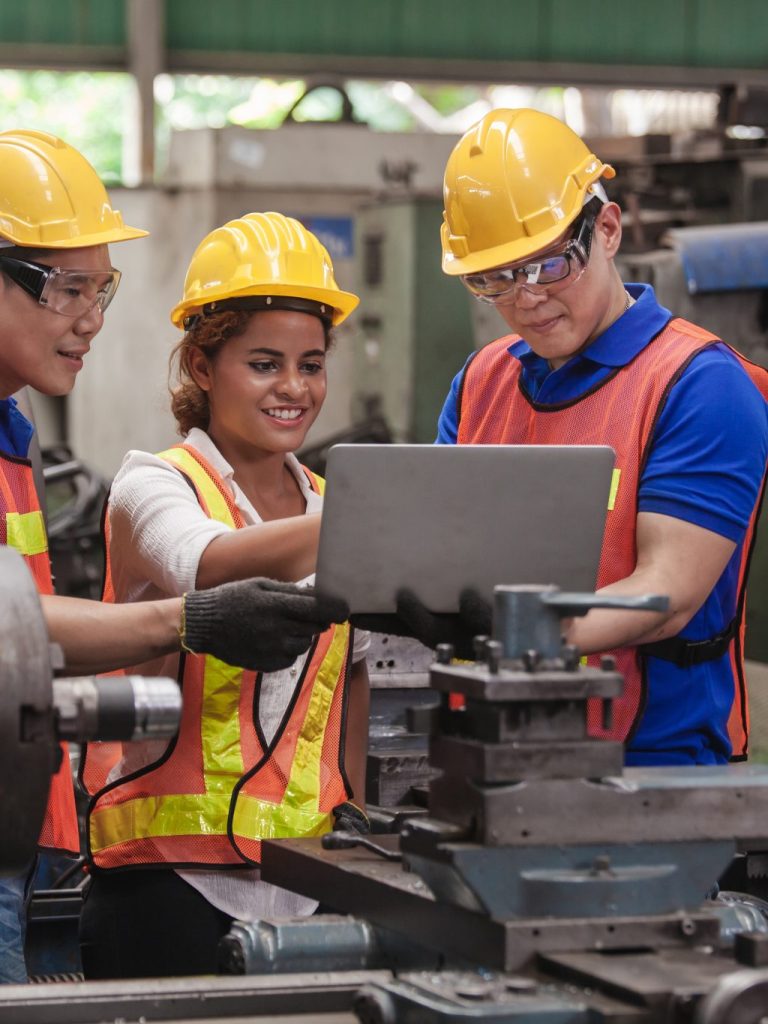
column 69, row 292
column 554, row 272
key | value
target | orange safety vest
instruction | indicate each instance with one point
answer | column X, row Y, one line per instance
column 621, row 412
column 219, row 788
column 22, row 527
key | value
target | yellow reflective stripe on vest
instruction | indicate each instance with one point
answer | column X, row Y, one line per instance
column 188, row 813
column 207, row 813
column 220, row 718
column 319, row 482
column 25, row 531
column 183, row 814
column 298, row 813
column 191, row 813
column 220, row 727
column 615, row 481
column 217, row 506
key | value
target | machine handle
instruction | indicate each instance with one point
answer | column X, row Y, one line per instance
column 569, row 605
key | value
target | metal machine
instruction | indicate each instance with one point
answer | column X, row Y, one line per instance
column 37, row 709
column 545, row 883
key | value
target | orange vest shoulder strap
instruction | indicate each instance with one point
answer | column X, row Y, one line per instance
column 202, row 476
column 316, row 482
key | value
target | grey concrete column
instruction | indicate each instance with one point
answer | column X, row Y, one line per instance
column 145, row 32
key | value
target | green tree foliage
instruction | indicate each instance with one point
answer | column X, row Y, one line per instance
column 97, row 111
column 92, row 111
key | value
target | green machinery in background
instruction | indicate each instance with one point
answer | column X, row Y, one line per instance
column 415, row 325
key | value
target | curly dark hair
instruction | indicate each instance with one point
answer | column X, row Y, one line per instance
column 209, row 334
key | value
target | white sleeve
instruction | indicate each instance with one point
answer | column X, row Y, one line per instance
column 158, row 531
column 360, row 645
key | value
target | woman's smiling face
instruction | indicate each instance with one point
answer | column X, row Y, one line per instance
column 267, row 384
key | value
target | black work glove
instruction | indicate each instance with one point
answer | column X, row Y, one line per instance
column 349, row 818
column 414, row 619
column 259, row 624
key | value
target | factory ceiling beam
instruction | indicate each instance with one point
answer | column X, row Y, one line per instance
column 62, row 57
column 435, row 69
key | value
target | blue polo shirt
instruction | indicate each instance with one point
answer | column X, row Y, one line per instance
column 706, row 464
column 15, row 429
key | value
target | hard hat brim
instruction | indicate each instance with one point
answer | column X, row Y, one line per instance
column 123, row 234
column 342, row 303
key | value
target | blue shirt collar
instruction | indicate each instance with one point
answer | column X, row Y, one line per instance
column 15, row 429
column 620, row 343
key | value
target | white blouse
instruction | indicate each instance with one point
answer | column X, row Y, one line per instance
column 158, row 533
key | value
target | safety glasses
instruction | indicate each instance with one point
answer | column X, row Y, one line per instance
column 554, row 272
column 69, row 292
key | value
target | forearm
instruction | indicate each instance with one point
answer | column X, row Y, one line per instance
column 285, row 549
column 676, row 559
column 356, row 746
column 99, row 637
column 605, row 629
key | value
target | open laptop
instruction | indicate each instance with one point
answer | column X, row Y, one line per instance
column 439, row 518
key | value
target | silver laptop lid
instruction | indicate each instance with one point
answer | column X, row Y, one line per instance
column 439, row 518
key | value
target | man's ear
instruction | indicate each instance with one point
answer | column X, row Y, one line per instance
column 608, row 229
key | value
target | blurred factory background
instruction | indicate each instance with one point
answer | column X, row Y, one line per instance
column 342, row 113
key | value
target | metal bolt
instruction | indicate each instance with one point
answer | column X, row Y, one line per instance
column 571, row 657
column 478, row 645
column 687, row 926
column 601, row 865
column 493, row 653
column 530, row 660
column 444, row 654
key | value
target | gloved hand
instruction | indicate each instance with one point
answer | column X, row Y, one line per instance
column 349, row 818
column 414, row 619
column 259, row 624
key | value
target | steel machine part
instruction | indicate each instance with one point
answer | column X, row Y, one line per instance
column 538, row 847
column 398, row 769
column 37, row 710
column 545, row 883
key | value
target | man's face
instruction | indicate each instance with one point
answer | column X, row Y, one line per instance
column 559, row 323
column 38, row 346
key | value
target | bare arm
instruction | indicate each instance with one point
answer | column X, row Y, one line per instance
column 356, row 746
column 675, row 558
column 99, row 637
column 285, row 549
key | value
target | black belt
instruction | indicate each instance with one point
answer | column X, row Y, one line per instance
column 686, row 653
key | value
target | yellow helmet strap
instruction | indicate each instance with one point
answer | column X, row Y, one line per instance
column 264, row 303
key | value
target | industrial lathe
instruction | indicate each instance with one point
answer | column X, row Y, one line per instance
column 521, row 873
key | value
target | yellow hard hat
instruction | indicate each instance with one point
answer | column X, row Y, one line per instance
column 513, row 184
column 267, row 255
column 51, row 197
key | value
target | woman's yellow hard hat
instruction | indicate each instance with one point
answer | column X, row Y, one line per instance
column 262, row 254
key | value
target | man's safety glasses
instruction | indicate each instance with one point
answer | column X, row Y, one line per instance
column 553, row 272
column 69, row 292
